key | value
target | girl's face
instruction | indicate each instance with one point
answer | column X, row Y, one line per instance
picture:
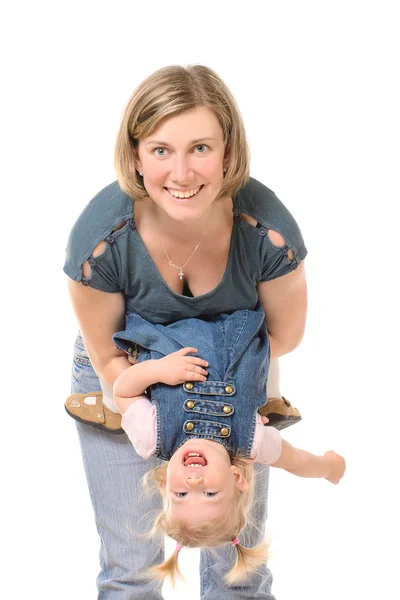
column 201, row 481
column 182, row 163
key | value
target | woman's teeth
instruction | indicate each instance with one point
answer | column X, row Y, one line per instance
column 185, row 194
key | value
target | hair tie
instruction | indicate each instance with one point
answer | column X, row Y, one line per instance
column 179, row 547
column 235, row 541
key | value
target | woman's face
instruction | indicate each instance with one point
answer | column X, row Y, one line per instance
column 182, row 163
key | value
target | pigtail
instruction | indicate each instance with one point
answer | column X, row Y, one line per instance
column 154, row 479
column 248, row 559
column 169, row 568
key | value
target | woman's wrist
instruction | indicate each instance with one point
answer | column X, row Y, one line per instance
column 113, row 369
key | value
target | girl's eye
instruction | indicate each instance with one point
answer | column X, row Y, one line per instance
column 160, row 151
column 181, row 494
column 210, row 494
column 201, row 148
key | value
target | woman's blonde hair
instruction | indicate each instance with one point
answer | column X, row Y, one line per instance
column 211, row 534
column 171, row 91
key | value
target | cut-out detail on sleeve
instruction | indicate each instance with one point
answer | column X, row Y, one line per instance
column 91, row 267
column 248, row 219
column 88, row 264
column 274, row 236
column 279, row 259
column 278, row 240
column 98, row 251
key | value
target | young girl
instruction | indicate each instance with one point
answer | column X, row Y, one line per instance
column 208, row 429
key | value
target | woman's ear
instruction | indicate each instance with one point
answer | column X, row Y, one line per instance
column 136, row 161
column 241, row 483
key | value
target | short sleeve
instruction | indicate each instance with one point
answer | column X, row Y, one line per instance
column 259, row 202
column 105, row 269
column 97, row 222
column 276, row 261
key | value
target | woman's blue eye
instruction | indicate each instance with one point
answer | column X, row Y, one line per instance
column 181, row 494
column 201, row 148
column 210, row 494
column 162, row 153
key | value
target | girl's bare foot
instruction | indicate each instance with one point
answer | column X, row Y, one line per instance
column 337, row 467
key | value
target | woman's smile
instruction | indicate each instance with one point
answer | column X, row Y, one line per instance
column 184, row 194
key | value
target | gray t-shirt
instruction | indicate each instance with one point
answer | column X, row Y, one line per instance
column 126, row 266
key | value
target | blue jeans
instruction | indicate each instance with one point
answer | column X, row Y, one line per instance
column 114, row 472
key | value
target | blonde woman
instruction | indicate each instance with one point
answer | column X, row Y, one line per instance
column 183, row 233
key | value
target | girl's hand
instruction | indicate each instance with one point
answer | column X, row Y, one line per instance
column 177, row 367
column 337, row 466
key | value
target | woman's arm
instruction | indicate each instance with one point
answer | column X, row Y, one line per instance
column 284, row 300
column 100, row 315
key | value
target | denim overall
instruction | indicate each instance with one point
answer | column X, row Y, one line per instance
column 222, row 408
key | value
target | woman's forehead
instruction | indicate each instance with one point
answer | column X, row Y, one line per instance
column 195, row 125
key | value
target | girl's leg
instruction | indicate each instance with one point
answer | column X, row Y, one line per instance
column 279, row 410
column 273, row 383
column 216, row 563
column 113, row 471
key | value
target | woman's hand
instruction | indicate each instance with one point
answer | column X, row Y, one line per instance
column 177, row 367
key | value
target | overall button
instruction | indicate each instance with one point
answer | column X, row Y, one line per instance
column 91, row 262
column 190, row 403
column 262, row 231
column 189, row 386
column 229, row 389
column 224, row 431
column 189, row 426
column 110, row 239
column 227, row 409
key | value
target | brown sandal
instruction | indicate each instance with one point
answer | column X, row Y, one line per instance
column 280, row 413
column 97, row 415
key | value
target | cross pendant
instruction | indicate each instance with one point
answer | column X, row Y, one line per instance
column 180, row 274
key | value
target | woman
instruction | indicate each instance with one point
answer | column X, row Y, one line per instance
column 200, row 238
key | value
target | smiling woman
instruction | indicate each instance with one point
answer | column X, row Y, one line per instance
column 186, row 168
column 183, row 233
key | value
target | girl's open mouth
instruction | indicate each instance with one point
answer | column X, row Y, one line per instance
column 194, row 459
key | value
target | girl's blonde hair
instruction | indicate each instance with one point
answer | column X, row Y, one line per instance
column 213, row 533
column 171, row 91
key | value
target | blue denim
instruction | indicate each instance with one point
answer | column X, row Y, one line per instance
column 223, row 408
column 113, row 471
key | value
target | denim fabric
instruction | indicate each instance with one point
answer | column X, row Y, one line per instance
column 113, row 470
column 236, row 347
column 125, row 265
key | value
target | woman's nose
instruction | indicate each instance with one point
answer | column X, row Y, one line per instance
column 194, row 480
column 182, row 171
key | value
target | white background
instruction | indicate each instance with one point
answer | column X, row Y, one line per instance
column 317, row 86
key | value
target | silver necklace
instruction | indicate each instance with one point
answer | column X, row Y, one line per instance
column 171, row 264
